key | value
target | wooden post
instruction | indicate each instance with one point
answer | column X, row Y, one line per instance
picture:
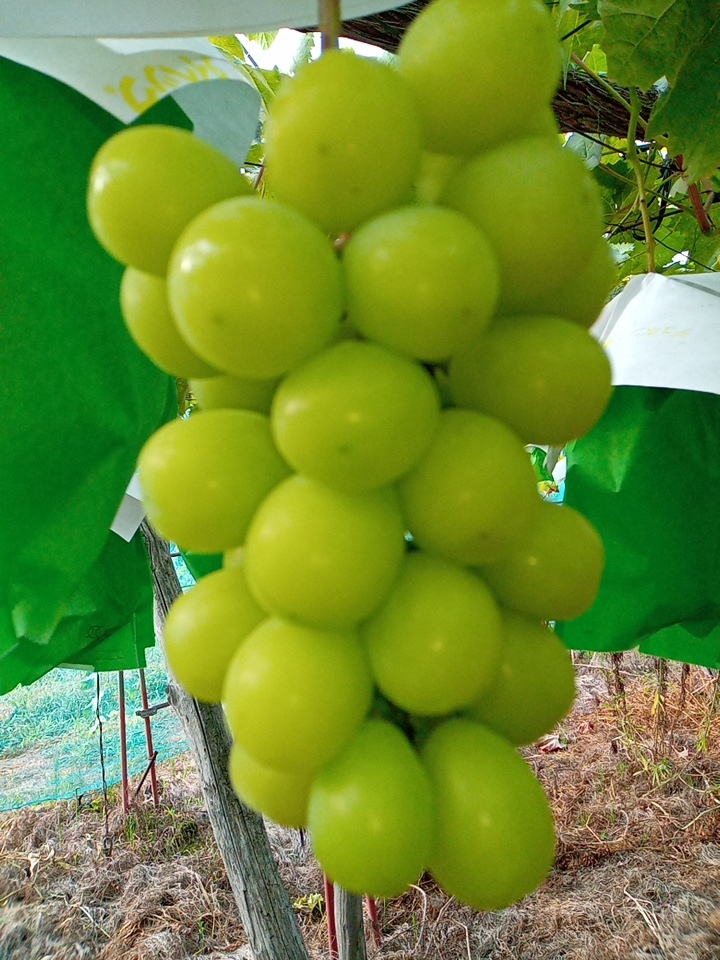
column 264, row 905
column 350, row 927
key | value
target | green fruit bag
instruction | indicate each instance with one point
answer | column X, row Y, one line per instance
column 79, row 398
column 648, row 477
column 107, row 623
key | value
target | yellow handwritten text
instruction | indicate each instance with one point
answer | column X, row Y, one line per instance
column 141, row 93
column 663, row 331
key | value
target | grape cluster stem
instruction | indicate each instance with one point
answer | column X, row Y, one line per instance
column 330, row 23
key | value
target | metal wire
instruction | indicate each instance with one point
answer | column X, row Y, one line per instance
column 107, row 843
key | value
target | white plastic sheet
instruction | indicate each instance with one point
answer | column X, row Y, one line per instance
column 164, row 18
column 665, row 332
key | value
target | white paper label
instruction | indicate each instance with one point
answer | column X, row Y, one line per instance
column 664, row 332
column 130, row 512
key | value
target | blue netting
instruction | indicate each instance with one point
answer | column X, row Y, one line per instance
column 49, row 737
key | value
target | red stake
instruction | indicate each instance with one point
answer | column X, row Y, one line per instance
column 149, row 738
column 123, row 744
column 701, row 215
column 329, row 893
column 375, row 923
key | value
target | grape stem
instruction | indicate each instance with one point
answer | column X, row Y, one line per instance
column 634, row 161
column 330, row 23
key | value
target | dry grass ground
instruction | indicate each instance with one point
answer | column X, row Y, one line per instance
column 634, row 779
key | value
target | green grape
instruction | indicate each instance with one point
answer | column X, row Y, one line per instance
column 480, row 71
column 434, row 172
column 544, row 377
column 255, row 288
column 441, row 377
column 235, row 393
column 147, row 183
column 235, row 557
column 281, row 795
column 294, row 697
column 203, row 478
column 355, row 417
column 583, row 295
column 493, row 841
column 145, row 309
column 323, row 557
column 534, row 686
column 371, row 813
column 205, row 627
column 420, row 280
column 437, row 168
column 522, row 191
column 554, row 572
column 543, row 123
column 472, row 495
column 342, row 141
column 433, row 644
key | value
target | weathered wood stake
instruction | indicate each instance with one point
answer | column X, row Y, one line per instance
column 265, row 909
column 350, row 927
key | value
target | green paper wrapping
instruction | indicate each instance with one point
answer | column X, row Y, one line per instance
column 648, row 477
column 200, row 564
column 78, row 397
column 107, row 625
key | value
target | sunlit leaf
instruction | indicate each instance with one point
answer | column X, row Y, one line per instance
column 230, row 46
column 264, row 40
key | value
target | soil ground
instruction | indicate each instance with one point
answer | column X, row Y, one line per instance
column 634, row 780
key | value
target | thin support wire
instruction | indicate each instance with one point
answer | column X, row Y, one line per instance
column 107, row 843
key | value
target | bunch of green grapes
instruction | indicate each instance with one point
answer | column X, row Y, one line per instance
column 371, row 351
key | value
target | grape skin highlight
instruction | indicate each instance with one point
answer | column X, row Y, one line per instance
column 255, row 288
column 323, row 557
column 342, row 141
column 371, row 813
column 508, row 192
column 146, row 312
column 294, row 697
column 421, row 280
column 356, row 416
column 473, row 494
column 203, row 478
column 480, row 71
column 544, row 377
column 147, row 183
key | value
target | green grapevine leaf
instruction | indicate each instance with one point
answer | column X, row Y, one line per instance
column 690, row 113
column 304, row 52
column 265, row 40
column 596, row 59
column 265, row 82
column 685, row 236
column 230, row 46
column 588, row 8
column 256, row 154
column 648, row 39
column 706, row 250
column 578, row 33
